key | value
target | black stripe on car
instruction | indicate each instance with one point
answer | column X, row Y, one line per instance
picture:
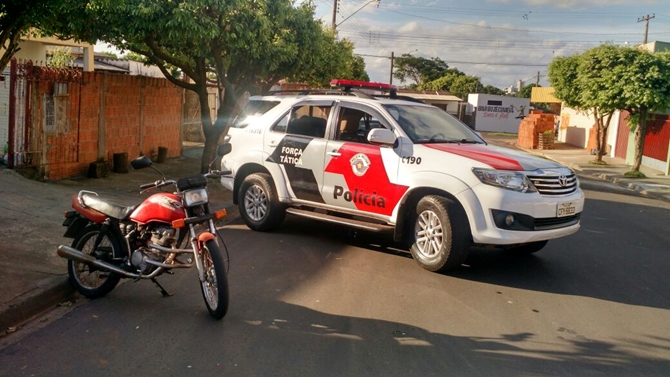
column 302, row 181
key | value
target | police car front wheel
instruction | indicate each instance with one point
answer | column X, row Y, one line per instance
column 440, row 234
column 258, row 204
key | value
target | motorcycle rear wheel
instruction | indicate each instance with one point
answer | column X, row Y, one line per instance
column 215, row 287
column 86, row 279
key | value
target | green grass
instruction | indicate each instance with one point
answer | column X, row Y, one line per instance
column 634, row 174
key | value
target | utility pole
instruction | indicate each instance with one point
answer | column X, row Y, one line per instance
column 537, row 83
column 646, row 25
column 335, row 14
column 391, row 76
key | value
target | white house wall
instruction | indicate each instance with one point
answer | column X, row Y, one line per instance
column 575, row 128
column 4, row 108
column 497, row 113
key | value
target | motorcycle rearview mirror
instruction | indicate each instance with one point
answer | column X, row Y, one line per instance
column 144, row 162
column 221, row 150
column 141, row 162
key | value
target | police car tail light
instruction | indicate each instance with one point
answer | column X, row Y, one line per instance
column 509, row 180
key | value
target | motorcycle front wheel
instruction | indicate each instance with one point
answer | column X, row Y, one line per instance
column 215, row 287
column 86, row 279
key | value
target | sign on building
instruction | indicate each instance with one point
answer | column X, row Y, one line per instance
column 497, row 113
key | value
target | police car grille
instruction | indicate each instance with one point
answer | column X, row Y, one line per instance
column 551, row 184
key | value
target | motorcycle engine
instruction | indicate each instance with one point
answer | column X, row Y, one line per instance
column 163, row 236
column 139, row 260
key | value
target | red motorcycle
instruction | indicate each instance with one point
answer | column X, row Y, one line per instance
column 113, row 241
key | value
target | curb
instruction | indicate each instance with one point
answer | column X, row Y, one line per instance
column 48, row 293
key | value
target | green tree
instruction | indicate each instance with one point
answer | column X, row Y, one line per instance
column 572, row 83
column 634, row 80
column 418, row 69
column 16, row 20
column 526, row 91
column 609, row 78
column 134, row 57
column 237, row 45
column 60, row 57
column 490, row 89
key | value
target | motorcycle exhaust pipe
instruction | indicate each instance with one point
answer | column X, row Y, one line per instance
column 76, row 255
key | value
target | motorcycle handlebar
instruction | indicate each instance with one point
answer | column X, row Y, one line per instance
column 157, row 184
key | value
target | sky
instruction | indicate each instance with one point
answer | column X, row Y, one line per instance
column 499, row 41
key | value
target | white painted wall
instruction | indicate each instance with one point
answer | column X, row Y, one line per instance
column 497, row 113
column 575, row 128
column 4, row 109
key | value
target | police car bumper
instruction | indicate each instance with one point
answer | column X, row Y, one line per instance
column 504, row 217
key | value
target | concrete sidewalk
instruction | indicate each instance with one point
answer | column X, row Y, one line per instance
column 34, row 278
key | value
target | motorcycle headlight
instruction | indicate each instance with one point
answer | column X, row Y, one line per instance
column 195, row 197
column 509, row 180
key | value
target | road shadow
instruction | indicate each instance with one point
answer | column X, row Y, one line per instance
column 623, row 262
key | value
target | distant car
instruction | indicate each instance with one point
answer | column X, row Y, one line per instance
column 388, row 164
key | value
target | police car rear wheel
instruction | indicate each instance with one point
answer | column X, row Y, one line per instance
column 440, row 234
column 259, row 207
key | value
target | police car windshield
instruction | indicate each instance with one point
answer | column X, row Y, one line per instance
column 429, row 124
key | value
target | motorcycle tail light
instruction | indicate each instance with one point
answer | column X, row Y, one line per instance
column 196, row 197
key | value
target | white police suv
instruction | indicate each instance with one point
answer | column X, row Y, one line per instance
column 382, row 163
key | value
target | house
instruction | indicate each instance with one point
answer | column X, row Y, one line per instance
column 60, row 122
column 438, row 98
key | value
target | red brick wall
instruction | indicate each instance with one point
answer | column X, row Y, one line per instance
column 139, row 113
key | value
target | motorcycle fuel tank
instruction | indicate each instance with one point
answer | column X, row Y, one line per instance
column 163, row 207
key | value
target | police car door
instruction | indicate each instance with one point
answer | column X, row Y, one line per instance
column 359, row 176
column 296, row 146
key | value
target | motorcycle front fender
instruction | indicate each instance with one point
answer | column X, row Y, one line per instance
column 204, row 237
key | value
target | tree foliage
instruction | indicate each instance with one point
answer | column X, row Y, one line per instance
column 236, row 45
column 459, row 84
column 526, row 91
column 418, row 69
column 609, row 78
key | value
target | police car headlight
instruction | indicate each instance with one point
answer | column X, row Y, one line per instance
column 509, row 180
column 195, row 197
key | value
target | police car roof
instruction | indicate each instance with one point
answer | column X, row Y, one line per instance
column 374, row 99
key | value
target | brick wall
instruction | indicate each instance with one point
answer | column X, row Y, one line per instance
column 137, row 115
column 536, row 122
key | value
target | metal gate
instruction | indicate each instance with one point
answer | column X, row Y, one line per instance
column 43, row 115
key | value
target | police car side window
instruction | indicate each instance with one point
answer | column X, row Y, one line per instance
column 281, row 125
column 354, row 125
column 308, row 121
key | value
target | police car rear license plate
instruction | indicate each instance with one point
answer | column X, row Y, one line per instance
column 565, row 209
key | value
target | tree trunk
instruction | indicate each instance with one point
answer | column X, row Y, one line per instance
column 214, row 132
column 599, row 131
column 640, row 133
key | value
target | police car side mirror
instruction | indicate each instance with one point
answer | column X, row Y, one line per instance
column 381, row 136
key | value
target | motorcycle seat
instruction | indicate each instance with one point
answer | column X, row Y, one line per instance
column 113, row 210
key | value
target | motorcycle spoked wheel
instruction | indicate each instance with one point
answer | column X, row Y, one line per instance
column 215, row 287
column 86, row 279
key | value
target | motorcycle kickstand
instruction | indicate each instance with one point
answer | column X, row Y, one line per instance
column 163, row 291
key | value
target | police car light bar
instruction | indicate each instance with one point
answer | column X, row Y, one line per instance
column 348, row 84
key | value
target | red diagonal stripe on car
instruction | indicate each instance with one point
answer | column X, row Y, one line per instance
column 479, row 153
column 375, row 180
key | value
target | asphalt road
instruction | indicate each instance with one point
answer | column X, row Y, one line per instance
column 317, row 300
